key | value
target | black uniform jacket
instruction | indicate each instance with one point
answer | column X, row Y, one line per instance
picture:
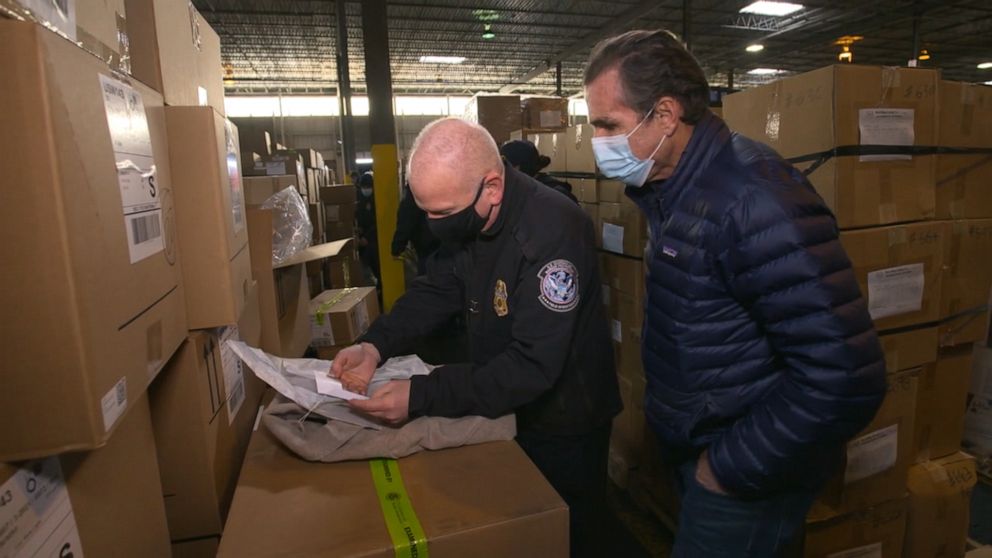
column 531, row 293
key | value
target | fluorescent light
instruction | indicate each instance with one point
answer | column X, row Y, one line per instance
column 988, row 83
column 363, row 161
column 764, row 7
column 442, row 59
column 763, row 72
column 755, row 48
column 985, row 65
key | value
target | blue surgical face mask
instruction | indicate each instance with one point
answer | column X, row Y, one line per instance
column 616, row 160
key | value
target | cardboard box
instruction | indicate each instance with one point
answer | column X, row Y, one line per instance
column 878, row 457
column 199, row 548
column 277, row 165
column 962, row 180
column 338, row 194
column 175, row 52
column 203, row 409
column 343, row 272
column 500, row 114
column 966, row 283
column 578, row 148
column 92, row 290
column 611, row 191
column 623, row 228
column 899, row 269
column 257, row 189
column 210, row 215
column 909, row 349
column 552, row 144
column 592, row 210
column 544, row 113
column 873, row 532
column 106, row 502
column 624, row 274
column 305, row 155
column 317, row 218
column 486, row 499
column 283, row 290
column 940, row 506
column 340, row 316
column 255, row 140
column 340, row 213
column 851, row 105
column 585, row 189
column 339, row 230
column 941, row 402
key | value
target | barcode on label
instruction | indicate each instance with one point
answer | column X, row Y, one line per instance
column 120, row 393
column 146, row 228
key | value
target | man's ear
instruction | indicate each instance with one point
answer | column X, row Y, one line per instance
column 668, row 110
column 493, row 189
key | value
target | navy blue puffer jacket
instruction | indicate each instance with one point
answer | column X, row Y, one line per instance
column 758, row 344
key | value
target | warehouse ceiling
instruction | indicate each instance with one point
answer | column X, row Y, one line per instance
column 289, row 46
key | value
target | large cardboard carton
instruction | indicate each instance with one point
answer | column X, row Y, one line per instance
column 592, row 210
column 203, row 408
column 941, row 402
column 106, row 502
column 623, row 228
column 338, row 194
column 846, row 106
column 175, row 52
column 940, row 506
column 966, row 283
column 92, row 287
column 876, row 532
column 340, row 213
column 544, row 113
column 585, row 190
column 283, row 295
column 257, row 189
column 962, row 180
column 343, row 272
column 878, row 457
column 210, row 215
column 909, row 349
column 624, row 274
column 552, row 145
column 500, row 114
column 482, row 500
column 899, row 269
column 578, row 148
column 341, row 316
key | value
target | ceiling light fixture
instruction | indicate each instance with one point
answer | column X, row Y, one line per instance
column 845, row 55
column 845, row 42
column 764, row 72
column 988, row 83
column 777, row 9
column 442, row 59
column 924, row 55
column 985, row 65
column 488, row 33
column 755, row 48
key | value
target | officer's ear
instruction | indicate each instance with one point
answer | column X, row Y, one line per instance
column 492, row 189
column 668, row 114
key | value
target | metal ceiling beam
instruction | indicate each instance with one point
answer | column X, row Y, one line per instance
column 618, row 23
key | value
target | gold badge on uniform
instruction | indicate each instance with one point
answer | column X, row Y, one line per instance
column 499, row 299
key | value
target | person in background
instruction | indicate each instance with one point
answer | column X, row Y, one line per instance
column 761, row 358
column 412, row 229
column 368, row 238
column 523, row 156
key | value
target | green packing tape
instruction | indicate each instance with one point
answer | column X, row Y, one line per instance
column 404, row 528
column 325, row 306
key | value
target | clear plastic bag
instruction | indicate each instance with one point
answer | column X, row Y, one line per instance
column 291, row 227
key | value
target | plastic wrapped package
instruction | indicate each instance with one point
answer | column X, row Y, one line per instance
column 291, row 227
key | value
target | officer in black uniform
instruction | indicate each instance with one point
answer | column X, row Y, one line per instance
column 519, row 260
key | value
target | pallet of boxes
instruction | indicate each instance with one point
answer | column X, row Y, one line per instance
column 338, row 204
column 918, row 229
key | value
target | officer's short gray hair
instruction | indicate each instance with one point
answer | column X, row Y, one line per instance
column 459, row 143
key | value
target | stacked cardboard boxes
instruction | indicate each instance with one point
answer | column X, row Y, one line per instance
column 338, row 317
column 500, row 114
column 915, row 243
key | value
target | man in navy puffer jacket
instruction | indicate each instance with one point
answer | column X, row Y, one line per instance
column 760, row 355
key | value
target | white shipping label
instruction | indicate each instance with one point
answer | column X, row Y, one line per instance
column 867, row 551
column 36, row 516
column 613, row 238
column 550, row 118
column 201, row 96
column 617, row 331
column 872, row 453
column 275, row 168
column 886, row 126
column 896, row 290
column 234, row 377
column 59, row 15
column 234, row 180
column 114, row 403
column 136, row 173
column 321, row 334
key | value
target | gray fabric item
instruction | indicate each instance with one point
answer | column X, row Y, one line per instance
column 316, row 438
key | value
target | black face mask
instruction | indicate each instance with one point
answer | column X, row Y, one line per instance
column 461, row 227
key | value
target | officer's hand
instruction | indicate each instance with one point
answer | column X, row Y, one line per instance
column 355, row 366
column 390, row 403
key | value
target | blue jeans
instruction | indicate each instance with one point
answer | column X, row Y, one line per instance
column 718, row 526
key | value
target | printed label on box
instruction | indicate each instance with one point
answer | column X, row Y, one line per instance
column 872, row 454
column 896, row 290
column 613, row 238
column 275, row 168
column 361, row 318
column 234, row 180
column 234, row 377
column 868, row 551
column 550, row 118
column 36, row 516
column 617, row 331
column 321, row 334
column 886, row 126
column 136, row 172
column 114, row 403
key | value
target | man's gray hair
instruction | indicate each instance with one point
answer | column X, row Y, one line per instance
column 456, row 142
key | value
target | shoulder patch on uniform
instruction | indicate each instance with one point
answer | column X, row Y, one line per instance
column 559, row 286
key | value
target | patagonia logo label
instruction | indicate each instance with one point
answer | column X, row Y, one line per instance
column 669, row 251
